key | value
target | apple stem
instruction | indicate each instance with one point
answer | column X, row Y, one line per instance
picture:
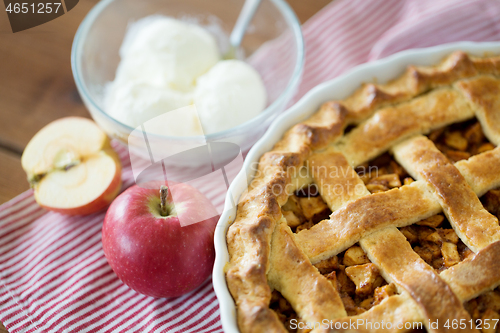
column 163, row 200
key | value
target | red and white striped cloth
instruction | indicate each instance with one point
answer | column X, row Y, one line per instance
column 53, row 273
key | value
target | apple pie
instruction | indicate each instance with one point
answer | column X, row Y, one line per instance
column 379, row 212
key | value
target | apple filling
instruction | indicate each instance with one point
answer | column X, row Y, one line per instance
column 491, row 202
column 461, row 141
column 284, row 310
column 305, row 208
column 357, row 280
column 433, row 239
column 485, row 310
column 382, row 174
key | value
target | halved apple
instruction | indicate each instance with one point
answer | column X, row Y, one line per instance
column 72, row 167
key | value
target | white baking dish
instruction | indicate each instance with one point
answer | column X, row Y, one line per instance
column 382, row 71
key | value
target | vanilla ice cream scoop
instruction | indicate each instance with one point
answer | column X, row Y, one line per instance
column 230, row 94
column 134, row 103
column 167, row 52
column 167, row 64
column 161, row 58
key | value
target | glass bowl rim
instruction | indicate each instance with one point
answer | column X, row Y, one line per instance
column 281, row 5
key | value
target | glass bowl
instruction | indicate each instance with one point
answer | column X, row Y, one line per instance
column 273, row 45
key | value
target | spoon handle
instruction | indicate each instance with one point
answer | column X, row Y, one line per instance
column 244, row 19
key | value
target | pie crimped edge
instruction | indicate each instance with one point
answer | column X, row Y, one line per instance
column 333, row 116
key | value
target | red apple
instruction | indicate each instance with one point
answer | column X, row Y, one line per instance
column 72, row 168
column 149, row 249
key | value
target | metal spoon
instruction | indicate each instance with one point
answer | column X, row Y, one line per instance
column 240, row 28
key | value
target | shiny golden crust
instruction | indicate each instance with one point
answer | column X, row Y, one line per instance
column 483, row 92
column 338, row 183
column 249, row 243
column 371, row 96
column 466, row 280
column 457, row 66
column 482, row 171
column 258, row 211
column 292, row 271
column 395, row 309
column 431, row 97
column 394, row 124
column 473, row 277
column 390, row 251
column 488, row 65
column 474, row 225
column 398, row 207
column 324, row 126
column 415, row 81
column 249, row 247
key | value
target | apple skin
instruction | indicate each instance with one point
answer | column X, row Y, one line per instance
column 155, row 255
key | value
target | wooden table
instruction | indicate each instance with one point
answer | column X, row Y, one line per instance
column 37, row 87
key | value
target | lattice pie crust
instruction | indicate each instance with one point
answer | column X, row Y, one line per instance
column 266, row 256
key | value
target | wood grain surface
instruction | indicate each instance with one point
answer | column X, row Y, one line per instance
column 37, row 87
